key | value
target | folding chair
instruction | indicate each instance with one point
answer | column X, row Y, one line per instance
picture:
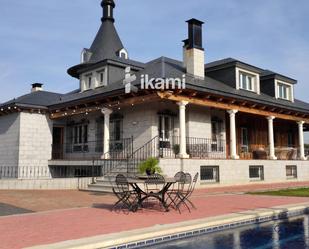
column 185, row 195
column 126, row 198
column 172, row 194
column 153, row 186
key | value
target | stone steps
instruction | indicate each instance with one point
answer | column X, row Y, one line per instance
column 104, row 184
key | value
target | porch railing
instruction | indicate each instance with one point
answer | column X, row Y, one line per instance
column 261, row 152
column 92, row 150
column 203, row 148
column 39, row 172
column 24, row 172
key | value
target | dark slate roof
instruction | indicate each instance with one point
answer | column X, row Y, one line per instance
column 166, row 67
column 106, row 43
column 40, row 99
column 265, row 73
column 228, row 62
column 173, row 68
column 220, row 62
column 161, row 67
column 270, row 74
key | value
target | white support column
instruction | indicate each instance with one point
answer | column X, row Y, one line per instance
column 233, row 140
column 301, row 140
column 182, row 126
column 106, row 134
column 271, row 139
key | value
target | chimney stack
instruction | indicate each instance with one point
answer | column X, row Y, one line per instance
column 193, row 51
column 108, row 10
column 36, row 87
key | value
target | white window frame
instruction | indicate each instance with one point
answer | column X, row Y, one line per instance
column 260, row 171
column 293, row 170
column 96, row 79
column 98, row 82
column 255, row 80
column 290, row 94
column 216, row 174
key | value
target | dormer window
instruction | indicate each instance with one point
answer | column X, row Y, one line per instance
column 123, row 54
column 284, row 91
column 89, row 82
column 248, row 81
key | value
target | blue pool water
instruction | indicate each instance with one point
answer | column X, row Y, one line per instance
column 285, row 234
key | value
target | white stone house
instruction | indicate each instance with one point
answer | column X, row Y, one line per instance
column 232, row 122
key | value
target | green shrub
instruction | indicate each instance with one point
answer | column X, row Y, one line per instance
column 150, row 166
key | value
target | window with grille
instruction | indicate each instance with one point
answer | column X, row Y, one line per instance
column 256, row 173
column 210, row 174
column 291, row 171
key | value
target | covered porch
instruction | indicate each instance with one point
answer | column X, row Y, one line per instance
column 253, row 132
column 184, row 125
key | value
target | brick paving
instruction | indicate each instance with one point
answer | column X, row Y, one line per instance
column 59, row 225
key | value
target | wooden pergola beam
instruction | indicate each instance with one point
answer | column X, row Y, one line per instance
column 226, row 106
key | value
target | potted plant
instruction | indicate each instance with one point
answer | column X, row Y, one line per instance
column 150, row 166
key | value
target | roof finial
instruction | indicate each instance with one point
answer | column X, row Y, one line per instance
column 108, row 9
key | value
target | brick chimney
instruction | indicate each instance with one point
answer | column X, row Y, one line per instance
column 193, row 51
column 36, row 87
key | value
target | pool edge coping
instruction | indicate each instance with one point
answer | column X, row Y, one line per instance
column 164, row 233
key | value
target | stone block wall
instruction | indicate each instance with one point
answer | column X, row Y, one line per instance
column 9, row 140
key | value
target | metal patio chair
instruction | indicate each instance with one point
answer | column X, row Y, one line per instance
column 153, row 187
column 126, row 198
column 178, row 186
column 183, row 197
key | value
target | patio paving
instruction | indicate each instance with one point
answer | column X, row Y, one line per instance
column 6, row 209
column 26, row 230
column 45, row 200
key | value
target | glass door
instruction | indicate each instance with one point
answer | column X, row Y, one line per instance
column 165, row 130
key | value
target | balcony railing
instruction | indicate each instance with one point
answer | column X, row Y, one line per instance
column 91, row 150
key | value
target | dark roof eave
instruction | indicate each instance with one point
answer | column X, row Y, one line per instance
column 235, row 63
column 86, row 99
column 75, row 71
column 29, row 106
column 279, row 77
column 232, row 95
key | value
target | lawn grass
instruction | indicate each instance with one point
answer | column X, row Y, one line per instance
column 299, row 192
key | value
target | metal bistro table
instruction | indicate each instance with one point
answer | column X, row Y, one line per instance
column 143, row 195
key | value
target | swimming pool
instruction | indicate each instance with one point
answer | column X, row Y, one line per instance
column 282, row 234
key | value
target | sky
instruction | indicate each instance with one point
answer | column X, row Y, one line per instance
column 40, row 40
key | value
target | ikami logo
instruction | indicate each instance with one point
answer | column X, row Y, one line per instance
column 152, row 83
